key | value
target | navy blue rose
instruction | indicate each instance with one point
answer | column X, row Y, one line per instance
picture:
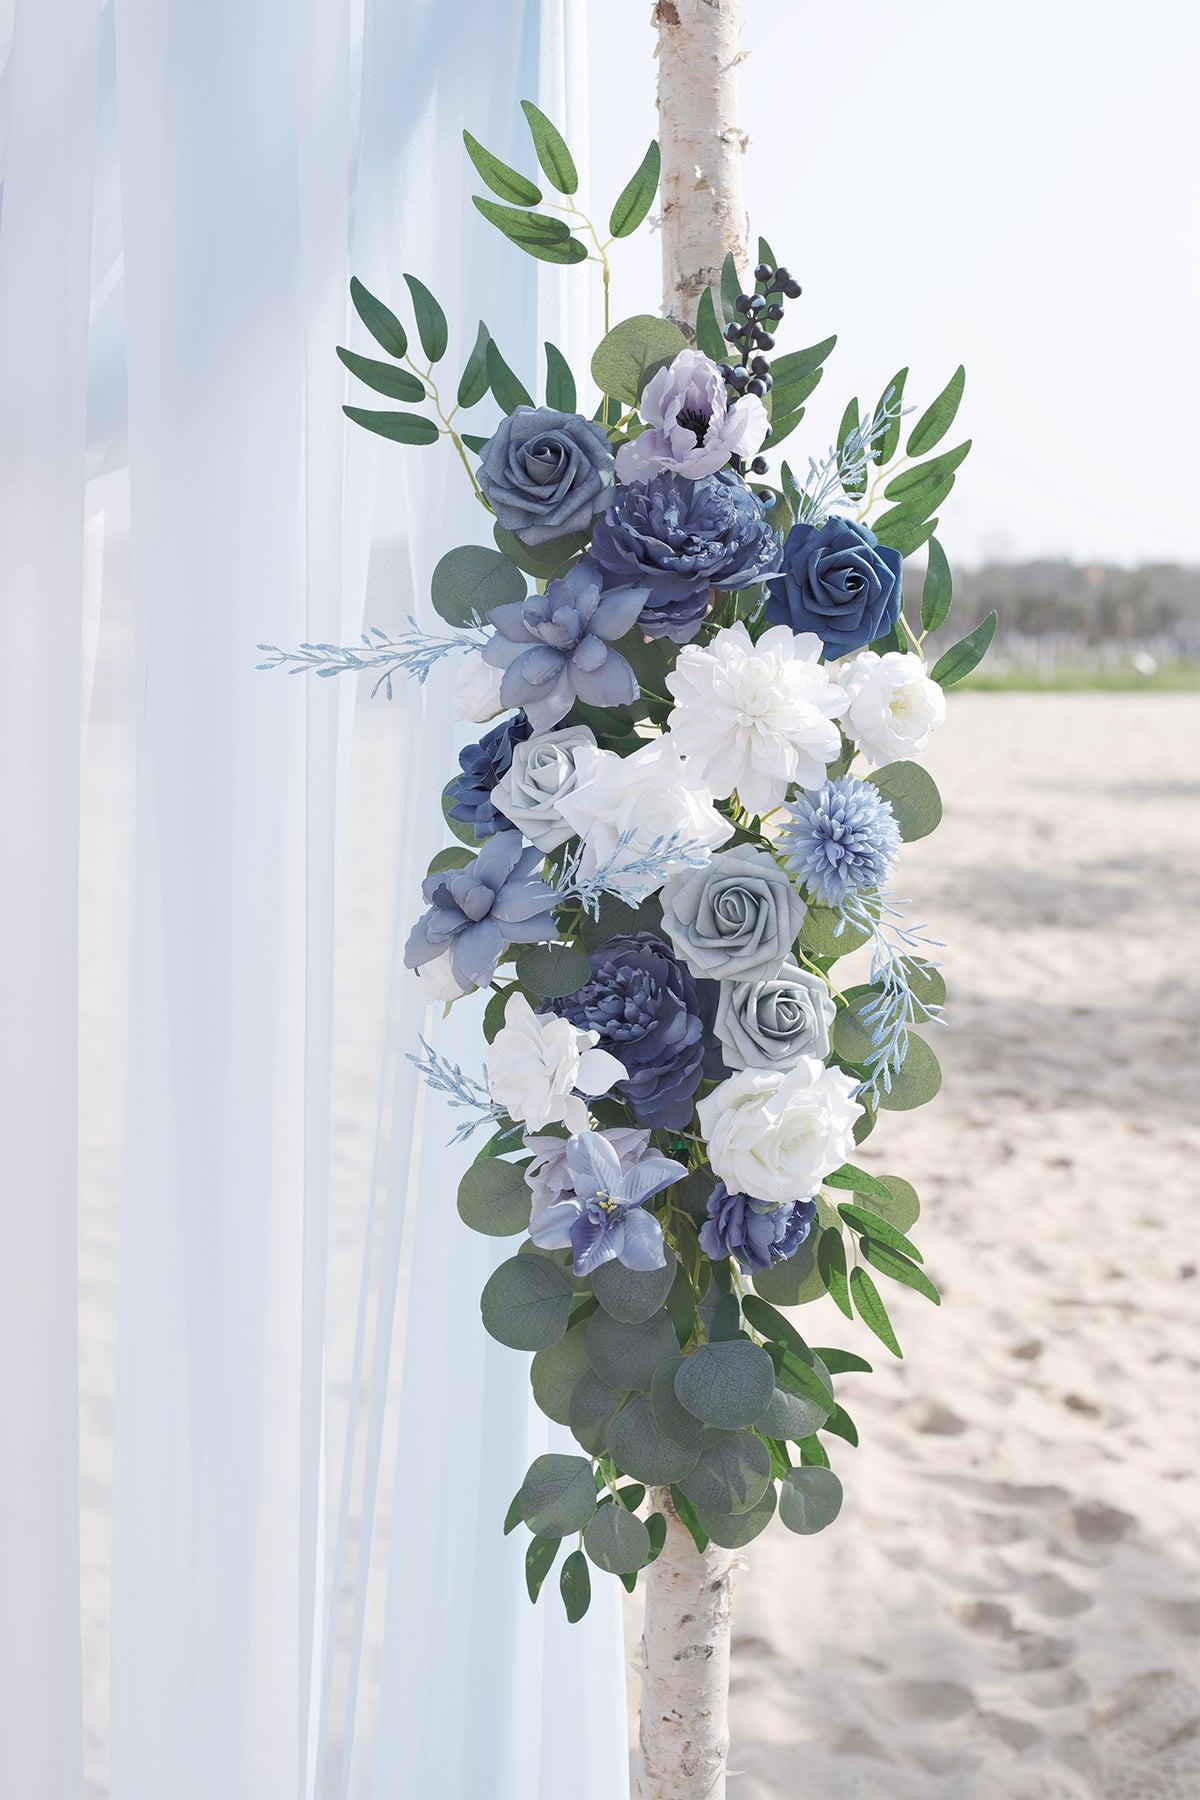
column 545, row 473
column 755, row 1233
column 683, row 538
column 839, row 581
column 647, row 1010
column 482, row 765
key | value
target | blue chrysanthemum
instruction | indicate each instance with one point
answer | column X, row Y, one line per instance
column 841, row 839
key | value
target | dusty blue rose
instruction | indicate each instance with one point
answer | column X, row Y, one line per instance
column 475, row 911
column 683, row 538
column 838, row 581
column 545, row 473
column 555, row 647
column 482, row 765
column 755, row 1233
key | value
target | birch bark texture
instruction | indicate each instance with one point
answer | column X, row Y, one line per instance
column 684, row 1722
column 702, row 146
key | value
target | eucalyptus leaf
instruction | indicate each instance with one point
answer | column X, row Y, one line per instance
column 912, row 793
column 622, row 356
column 791, row 1416
column 431, row 320
column 962, row 657
column 938, row 591
column 637, row 196
column 641, row 1449
column 918, row 1080
column 552, row 971
column 556, row 160
column 633, row 1295
column 731, row 1475
column 902, row 1208
column 462, row 831
column 494, row 1197
column 809, row 1500
column 819, row 933
column 937, row 419
column 379, row 320
column 731, row 287
column 831, row 1260
column 400, row 427
column 889, row 1262
column 539, row 1560
column 733, row 1531
column 558, row 1495
column 874, row 1225
column 385, row 378
column 526, row 1303
column 555, row 1373
column 617, row 1541
column 542, row 561
column 726, row 1384
column 575, row 1586
column 857, row 1181
column 594, row 1405
column 455, row 857
column 524, row 228
column 795, row 1282
column 670, row 1415
column 503, row 180
column 626, row 1356
column 469, row 581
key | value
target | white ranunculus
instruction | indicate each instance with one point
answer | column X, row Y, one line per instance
column 894, row 707
column 477, row 690
column 436, row 981
column 542, row 773
column 775, row 1137
column 756, row 717
column 648, row 795
column 539, row 1064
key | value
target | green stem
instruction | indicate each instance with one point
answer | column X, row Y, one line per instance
column 426, row 375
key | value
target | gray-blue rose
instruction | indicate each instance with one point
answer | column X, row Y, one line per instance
column 545, row 473
column 839, row 581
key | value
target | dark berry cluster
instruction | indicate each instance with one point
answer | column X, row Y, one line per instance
column 750, row 336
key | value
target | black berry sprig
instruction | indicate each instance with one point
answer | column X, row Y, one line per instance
column 749, row 335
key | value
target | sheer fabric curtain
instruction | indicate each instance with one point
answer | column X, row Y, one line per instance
column 313, row 1442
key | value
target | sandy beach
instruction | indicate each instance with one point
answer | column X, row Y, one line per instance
column 1007, row 1606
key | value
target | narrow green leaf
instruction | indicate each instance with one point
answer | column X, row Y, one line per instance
column 509, row 392
column 637, row 197
column 689, row 1518
column 843, row 1362
column 709, row 337
column 472, row 442
column 575, row 1586
column 857, row 1181
column 872, row 1311
column 731, row 287
column 962, row 657
column 870, row 1224
column 911, row 481
column 539, row 1560
column 401, row 427
column 885, row 448
column 855, row 486
column 903, row 530
column 379, row 320
column 801, row 1379
column 765, row 1318
column 473, row 382
column 523, row 226
column 431, row 320
column 937, row 419
column 766, row 254
column 888, row 1262
column 557, row 163
column 938, row 590
column 831, row 1260
column 385, row 378
column 813, row 1453
column 842, row 1425
column 560, row 383
column 515, row 1513
column 503, row 180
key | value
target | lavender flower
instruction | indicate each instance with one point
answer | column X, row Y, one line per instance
column 692, row 429
column 601, row 1219
column 755, row 1233
column 841, row 839
column 554, row 647
column 475, row 911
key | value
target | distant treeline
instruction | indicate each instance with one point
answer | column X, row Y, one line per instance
column 1084, row 615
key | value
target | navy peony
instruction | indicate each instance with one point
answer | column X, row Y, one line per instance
column 647, row 1010
column 838, row 581
column 757, row 1234
column 482, row 765
column 683, row 538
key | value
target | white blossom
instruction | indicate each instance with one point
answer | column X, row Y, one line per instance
column 775, row 1137
column 436, row 981
column 644, row 798
column 894, row 708
column 477, row 690
column 539, row 1064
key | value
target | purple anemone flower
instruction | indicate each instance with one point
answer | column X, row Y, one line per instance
column 691, row 428
column 554, row 647
column 602, row 1217
column 495, row 900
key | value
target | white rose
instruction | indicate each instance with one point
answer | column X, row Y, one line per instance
column 437, row 982
column 541, row 775
column 477, row 690
column 536, row 1062
column 775, row 1137
column 894, row 707
column 646, row 797
column 755, row 717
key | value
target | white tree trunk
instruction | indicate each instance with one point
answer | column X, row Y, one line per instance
column 703, row 213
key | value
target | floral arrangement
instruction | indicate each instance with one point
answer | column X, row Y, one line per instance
column 705, row 697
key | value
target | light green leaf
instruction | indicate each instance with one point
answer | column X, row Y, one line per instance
column 470, row 580
column 453, row 858
column 854, row 485
column 526, row 1303
column 872, row 1311
column 937, row 419
column 938, row 590
column 962, row 657
column 503, row 180
column 796, row 1281
column 915, row 481
column 510, row 392
column 913, row 796
column 575, row 1586
column 556, row 161
column 431, row 320
column 523, row 227
column 856, row 1181
column 731, row 287
column 462, row 832
column 727, row 1384
column 400, row 427
column 818, row 934
column 379, row 319
column 494, row 1197
column 795, row 375
column 906, row 528
column 732, row 1474
column 733, row 1531
column 919, row 1079
column 473, row 383
column 633, row 1295
column 629, row 349
column 831, row 1260
column 689, row 1518
column 809, row 1500
column 709, row 337
column 542, row 561
column 617, row 1541
column 539, row 1560
column 385, row 378
column 890, row 1262
column 902, row 1209
column 886, row 446
column 560, row 383
column 637, row 197
column 874, row 1225
column 626, row 1356
column 555, row 1373
column 552, row 971
column 640, row 1449
column 558, row 1495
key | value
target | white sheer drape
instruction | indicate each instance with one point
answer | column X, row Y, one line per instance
column 314, row 1443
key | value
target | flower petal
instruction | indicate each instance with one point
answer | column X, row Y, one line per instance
column 643, row 1247
column 598, row 1072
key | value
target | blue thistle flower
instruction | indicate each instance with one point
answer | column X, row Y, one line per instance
column 841, row 839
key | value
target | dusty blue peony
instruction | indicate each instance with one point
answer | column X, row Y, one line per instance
column 841, row 839
column 554, row 647
column 756, row 1234
column 838, row 581
column 482, row 765
column 474, row 912
column 683, row 538
column 545, row 473
column 601, row 1218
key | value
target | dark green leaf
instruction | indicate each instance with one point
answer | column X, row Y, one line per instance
column 794, row 1282
column 854, row 485
column 542, row 561
column 799, row 1378
column 462, row 832
column 552, row 153
column 629, row 349
column 771, row 1323
column 888, row 1262
column 938, row 590
column 726, row 1384
column 905, row 528
column 936, row 421
column 689, row 1518
column 873, row 1225
column 794, row 376
column 513, row 1517
column 633, row 1295
column 735, row 1530
column 925, row 475
column 494, row 1197
column 809, row 1500
column 731, row 1475
column 637, row 197
column 575, row 1586
column 510, row 392
column 617, row 1541
column 872, row 1311
column 552, row 971
column 912, row 793
column 594, row 1405
column 493, row 1012
column 670, row 1415
column 385, row 378
column 640, row 1448
column 558, row 1494
column 831, row 1260
column 453, row 858
column 401, row 427
column 886, row 445
column 473, row 441
column 856, row 1181
column 555, row 1373
column 626, row 1356
column 842, row 1425
column 843, row 1362
column 539, row 1560
column 962, row 657
column 709, row 337
column 631, row 1495
column 681, row 1307
column 379, row 319
column 473, row 383
column 431, row 320
column 523, row 227
column 791, row 1416
column 656, row 1525
column 511, row 186
column 526, row 1303
column 726, row 1320
column 560, row 383
column 813, row 1454
column 469, row 581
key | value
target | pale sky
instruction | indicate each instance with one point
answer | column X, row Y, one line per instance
column 1010, row 186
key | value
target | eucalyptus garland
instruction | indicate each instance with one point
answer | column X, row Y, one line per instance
column 705, row 702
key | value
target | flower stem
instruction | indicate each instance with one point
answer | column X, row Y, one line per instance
column 426, row 375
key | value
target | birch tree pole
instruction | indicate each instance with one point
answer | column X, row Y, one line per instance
column 684, row 1723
